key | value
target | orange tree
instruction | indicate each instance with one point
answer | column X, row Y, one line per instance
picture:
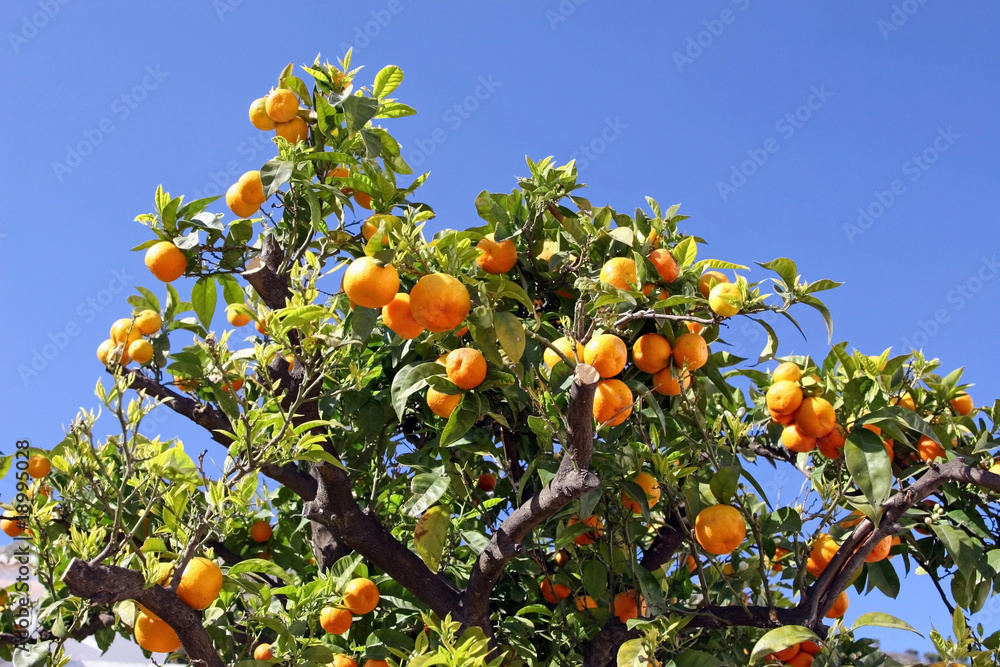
column 523, row 443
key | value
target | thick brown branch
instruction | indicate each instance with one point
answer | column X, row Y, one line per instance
column 104, row 584
column 262, row 274
column 668, row 540
column 572, row 480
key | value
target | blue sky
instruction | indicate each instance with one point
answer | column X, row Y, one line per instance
column 858, row 138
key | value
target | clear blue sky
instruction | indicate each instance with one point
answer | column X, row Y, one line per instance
column 843, row 105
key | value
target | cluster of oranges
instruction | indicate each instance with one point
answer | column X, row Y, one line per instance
column 38, row 467
column 360, row 597
column 200, row 585
column 279, row 111
column 126, row 343
column 809, row 422
column 246, row 195
column 797, row 655
column 626, row 605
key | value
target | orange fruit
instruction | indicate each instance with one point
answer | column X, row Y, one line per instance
column 439, row 302
column 564, row 345
column 124, row 332
column 335, row 621
column 800, row 659
column 793, row 438
column 962, row 404
column 784, row 397
column 831, row 445
column 880, row 551
column 905, row 401
column 258, row 115
column 648, row 484
column 561, row 558
column 363, row 199
column 787, row 371
column 930, row 450
column 148, row 322
column 824, row 548
column 853, row 519
column 810, row 647
column 466, row 367
column 339, row 172
column 584, row 602
column 690, row 350
column 725, row 300
column 839, row 607
column 665, row 382
column 786, row 654
column 607, row 353
column 200, row 583
column 779, row 553
column 691, row 563
column 39, row 466
column 442, row 404
column 165, row 261
column 236, row 317
column 376, row 663
column 373, row 222
column 784, row 420
column 154, row 634
column 250, row 188
column 728, row 570
column 369, row 285
column 815, row 417
column 486, row 482
column 553, row 592
column 619, row 272
column 341, row 660
column 261, row 326
column 705, row 282
column 236, row 204
column 11, row 526
column 398, row 318
column 141, row 351
column 589, row 537
column 496, row 257
column 665, row 264
column 719, row 529
column 612, row 402
column 694, row 327
column 281, row 105
column 260, row 531
column 626, row 606
column 263, row 652
column 651, row 353
column 293, row 131
column 361, row 595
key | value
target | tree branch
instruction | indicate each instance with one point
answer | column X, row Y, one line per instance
column 262, row 274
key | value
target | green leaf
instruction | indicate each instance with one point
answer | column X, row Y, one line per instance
column 771, row 348
column 427, row 488
column 880, row 620
column 318, row 653
column 258, row 565
column 784, row 267
column 231, row 290
column 823, row 310
column 409, row 380
column 387, row 80
column 395, row 110
column 869, row 465
column 780, row 639
column 203, row 298
column 959, row 546
column 459, row 423
column 882, row 575
column 33, row 656
column 358, row 111
column 430, row 535
column 693, row 658
column 274, row 174
column 634, row 653
column 724, row 483
column 685, row 252
column 510, row 333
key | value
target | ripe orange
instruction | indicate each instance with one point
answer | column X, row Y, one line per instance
column 373, row 222
column 341, row 660
column 824, row 548
column 439, row 302
column 962, row 404
column 651, row 353
column 236, row 317
column 466, row 367
column 397, row 316
column 564, row 345
column 553, row 592
column 612, row 402
column 691, row 563
column 141, row 351
column 335, row 621
column 165, row 261
column 442, row 404
column 487, row 482
column 263, row 652
column 694, row 327
column 661, row 294
column 691, row 350
column 293, row 131
column 584, row 602
column 793, row 438
column 260, row 531
column 369, row 285
column 728, row 570
column 648, row 484
column 930, row 450
column 200, row 583
column 11, row 526
column 258, row 115
column 815, row 417
column 361, row 596
column 591, row 536
column 784, row 397
column 281, row 105
column 880, row 551
column 236, row 204
column 779, row 553
column 39, row 466
column 810, row 647
column 607, row 353
column 719, row 529
column 626, row 606
column 831, row 445
column 706, row 280
column 787, row 371
column 363, row 199
column 839, row 607
column 154, row 634
column 725, row 300
column 905, row 401
column 786, row 654
column 800, row 659
column 619, row 272
column 261, row 326
column 665, row 264
column 148, row 322
column 496, row 257
column 250, row 188
column 124, row 332
column 665, row 382
column 784, row 420
column 376, row 663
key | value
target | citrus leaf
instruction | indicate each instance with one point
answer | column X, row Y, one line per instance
column 387, row 80
column 693, row 658
column 784, row 267
column 510, row 333
column 878, row 619
column 869, row 465
column 780, row 639
column 430, row 535
column 685, row 252
column 427, row 488
column 409, row 380
column 203, row 298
